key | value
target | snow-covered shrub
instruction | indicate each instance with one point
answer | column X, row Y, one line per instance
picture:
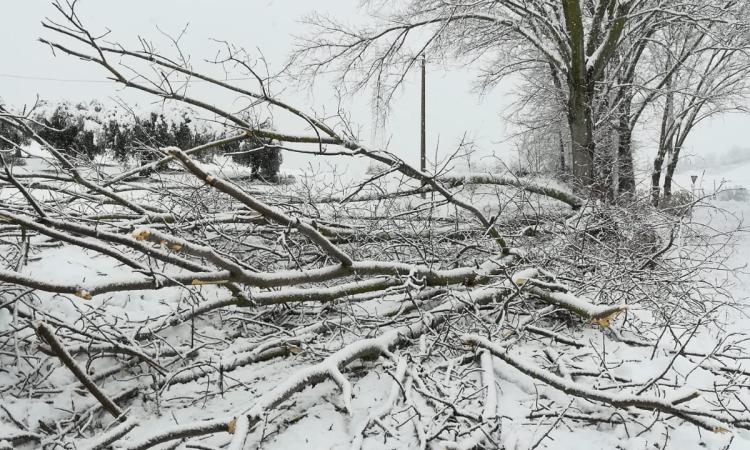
column 71, row 129
column 89, row 129
column 10, row 152
column 678, row 202
column 264, row 161
column 260, row 154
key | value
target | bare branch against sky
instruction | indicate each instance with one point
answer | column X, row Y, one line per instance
column 30, row 69
column 268, row 26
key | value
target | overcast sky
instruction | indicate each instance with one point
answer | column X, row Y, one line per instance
column 453, row 109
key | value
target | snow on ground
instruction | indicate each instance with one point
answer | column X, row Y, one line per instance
column 728, row 182
column 314, row 419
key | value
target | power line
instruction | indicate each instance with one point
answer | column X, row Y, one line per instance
column 30, row 77
column 72, row 80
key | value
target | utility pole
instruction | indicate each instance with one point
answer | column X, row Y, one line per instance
column 423, row 147
column 423, row 137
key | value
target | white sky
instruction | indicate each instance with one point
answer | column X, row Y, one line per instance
column 453, row 110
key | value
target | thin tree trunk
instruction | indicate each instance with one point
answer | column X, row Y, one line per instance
column 682, row 134
column 625, row 173
column 656, row 175
column 605, row 170
column 563, row 168
column 665, row 143
column 671, row 166
column 555, row 75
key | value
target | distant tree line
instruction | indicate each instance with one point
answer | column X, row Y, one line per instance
column 87, row 130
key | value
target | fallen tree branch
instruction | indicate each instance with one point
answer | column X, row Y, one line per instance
column 47, row 334
column 116, row 433
column 571, row 199
column 701, row 418
column 267, row 211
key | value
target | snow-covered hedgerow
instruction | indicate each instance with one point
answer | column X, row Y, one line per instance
column 89, row 129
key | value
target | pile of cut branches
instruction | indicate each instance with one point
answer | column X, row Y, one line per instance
column 199, row 311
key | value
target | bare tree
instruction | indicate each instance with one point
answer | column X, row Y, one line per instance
column 588, row 46
column 710, row 81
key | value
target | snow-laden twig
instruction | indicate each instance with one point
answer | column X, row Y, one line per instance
column 566, row 300
column 164, row 160
column 272, row 214
column 180, row 432
column 48, row 335
column 578, row 305
column 87, row 243
column 561, row 362
column 239, row 427
column 702, row 418
column 113, row 435
column 177, row 244
column 566, row 197
column 384, row 408
column 489, row 411
column 328, row 368
column 490, row 421
column 431, row 276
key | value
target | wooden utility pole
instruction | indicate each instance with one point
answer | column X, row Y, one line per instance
column 423, row 146
column 423, row 136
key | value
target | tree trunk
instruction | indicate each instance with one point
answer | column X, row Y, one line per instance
column 555, row 75
column 563, row 168
column 579, row 106
column 605, row 158
column 625, row 174
column 581, row 137
column 604, row 170
column 589, row 57
column 656, row 175
column 666, row 143
column 674, row 157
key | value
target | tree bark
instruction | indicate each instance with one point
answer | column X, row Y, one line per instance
column 656, row 175
column 626, row 176
column 581, row 136
column 563, row 167
column 579, row 107
column 589, row 56
column 671, row 165
column 555, row 75
column 665, row 143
